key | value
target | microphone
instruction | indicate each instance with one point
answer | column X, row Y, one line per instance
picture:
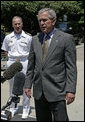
column 19, row 80
column 11, row 71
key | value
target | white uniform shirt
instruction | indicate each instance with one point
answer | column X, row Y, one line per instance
column 17, row 45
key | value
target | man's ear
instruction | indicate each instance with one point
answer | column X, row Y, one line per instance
column 53, row 21
column 22, row 24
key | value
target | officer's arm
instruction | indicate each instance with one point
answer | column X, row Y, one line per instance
column 6, row 54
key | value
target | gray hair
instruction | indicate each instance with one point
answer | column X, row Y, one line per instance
column 17, row 17
column 51, row 12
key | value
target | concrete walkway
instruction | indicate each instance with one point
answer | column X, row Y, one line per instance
column 75, row 110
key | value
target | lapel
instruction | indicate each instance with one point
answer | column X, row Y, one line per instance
column 39, row 46
column 52, row 47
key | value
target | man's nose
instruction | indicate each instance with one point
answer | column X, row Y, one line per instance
column 17, row 25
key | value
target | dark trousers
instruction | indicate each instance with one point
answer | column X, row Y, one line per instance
column 50, row 111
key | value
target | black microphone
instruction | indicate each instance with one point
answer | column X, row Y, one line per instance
column 19, row 80
column 11, row 71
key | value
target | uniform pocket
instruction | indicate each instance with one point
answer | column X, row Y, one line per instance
column 23, row 43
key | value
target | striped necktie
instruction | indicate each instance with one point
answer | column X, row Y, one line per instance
column 45, row 47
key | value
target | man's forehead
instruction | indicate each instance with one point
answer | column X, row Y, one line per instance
column 17, row 20
column 43, row 15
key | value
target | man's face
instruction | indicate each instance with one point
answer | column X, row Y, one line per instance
column 46, row 24
column 17, row 25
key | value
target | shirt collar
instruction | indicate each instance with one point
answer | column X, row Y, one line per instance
column 53, row 31
column 50, row 35
column 21, row 35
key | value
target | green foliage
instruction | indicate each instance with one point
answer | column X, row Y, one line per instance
column 3, row 27
column 29, row 9
column 81, row 20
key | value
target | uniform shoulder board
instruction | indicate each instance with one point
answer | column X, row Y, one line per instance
column 28, row 33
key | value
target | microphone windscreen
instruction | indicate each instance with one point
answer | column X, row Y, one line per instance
column 19, row 80
column 12, row 70
column 2, row 79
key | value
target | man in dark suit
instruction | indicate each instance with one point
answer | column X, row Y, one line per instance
column 54, row 79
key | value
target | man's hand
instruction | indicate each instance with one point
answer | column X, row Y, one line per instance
column 28, row 92
column 70, row 97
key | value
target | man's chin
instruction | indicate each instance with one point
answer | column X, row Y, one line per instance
column 44, row 30
column 18, row 32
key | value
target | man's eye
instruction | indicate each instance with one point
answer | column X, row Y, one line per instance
column 17, row 24
column 44, row 20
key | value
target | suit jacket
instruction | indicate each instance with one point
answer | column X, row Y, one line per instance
column 58, row 74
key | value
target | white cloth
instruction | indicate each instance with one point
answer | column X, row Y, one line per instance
column 18, row 45
column 26, row 101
